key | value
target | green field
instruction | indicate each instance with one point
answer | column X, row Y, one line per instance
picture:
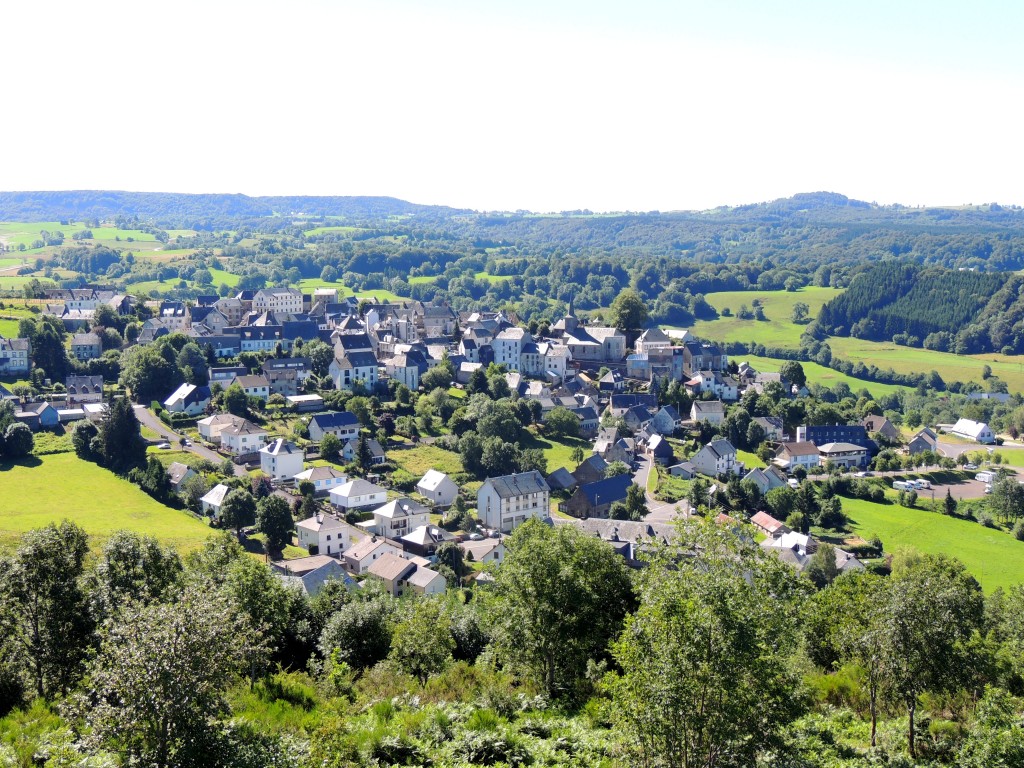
column 993, row 557
column 323, row 230
column 819, row 374
column 421, row 279
column 777, row 331
column 50, row 488
column 220, row 276
column 490, row 278
column 558, row 451
column 8, row 328
column 17, row 282
column 310, row 284
column 913, row 360
column 423, row 457
column 112, row 233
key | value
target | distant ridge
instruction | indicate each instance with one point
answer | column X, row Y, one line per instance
column 163, row 206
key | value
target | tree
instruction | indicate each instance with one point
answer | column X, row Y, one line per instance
column 692, row 689
column 636, row 502
column 147, row 374
column 193, row 490
column 18, row 441
column 135, row 568
column 330, row 448
column 628, row 311
column 934, row 606
column 274, row 520
column 997, row 734
column 50, row 620
column 821, row 569
column 949, row 504
column 616, row 468
column 800, row 311
column 422, row 642
column 562, row 422
column 82, row 434
column 793, row 372
column 329, row 274
column 160, row 677
column 438, row 377
column 363, row 456
column 235, row 400
column 577, row 455
column 450, row 554
column 547, row 569
column 120, row 444
column 238, row 511
column 192, row 363
column 360, row 633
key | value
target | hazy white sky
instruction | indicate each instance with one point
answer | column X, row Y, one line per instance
column 546, row 105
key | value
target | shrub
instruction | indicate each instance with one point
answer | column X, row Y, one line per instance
column 986, row 520
column 1018, row 531
column 483, row 720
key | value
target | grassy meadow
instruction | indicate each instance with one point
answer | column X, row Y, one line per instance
column 777, row 330
column 820, row 374
column 993, row 557
column 47, row 489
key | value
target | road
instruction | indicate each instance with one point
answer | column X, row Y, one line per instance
column 145, row 416
column 657, row 510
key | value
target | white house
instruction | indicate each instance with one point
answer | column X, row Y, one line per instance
column 509, row 501
column 214, row 499
column 178, row 474
column 242, row 438
column 281, row 459
column 361, row 555
column 286, row 301
column 326, row 533
column 716, row 458
column 322, row 478
column 341, row 424
column 14, row 356
column 396, row 518
column 438, row 488
column 401, row 576
column 350, row 451
column 508, row 347
column 486, row 551
column 652, row 340
column 350, row 367
column 973, row 430
column 211, row 427
column 789, row 456
column 188, row 398
column 253, row 386
column 767, row 479
column 357, row 494
column 711, row 411
column 843, row 454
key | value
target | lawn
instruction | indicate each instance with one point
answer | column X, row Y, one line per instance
column 750, row 460
column 50, row 488
column 993, row 557
column 820, row 374
column 489, row 277
column 418, row 460
column 323, row 230
column 8, row 328
column 777, row 331
column 17, row 282
column 557, row 450
column 220, row 276
column 112, row 233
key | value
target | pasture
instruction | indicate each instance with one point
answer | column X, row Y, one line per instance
column 777, row 330
column 993, row 557
column 820, row 374
column 45, row 489
column 418, row 460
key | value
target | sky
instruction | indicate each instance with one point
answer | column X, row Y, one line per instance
column 541, row 105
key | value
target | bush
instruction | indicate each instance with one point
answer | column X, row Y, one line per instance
column 986, row 520
column 1018, row 531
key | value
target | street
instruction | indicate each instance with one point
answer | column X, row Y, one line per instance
column 145, row 416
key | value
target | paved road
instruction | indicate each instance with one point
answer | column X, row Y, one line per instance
column 657, row 510
column 145, row 416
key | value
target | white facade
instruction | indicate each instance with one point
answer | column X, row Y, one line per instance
column 327, row 533
column 281, row 459
column 243, row 438
column 278, row 300
column 438, row 488
column 358, row 494
column 716, row 458
column 507, row 502
column 397, row 518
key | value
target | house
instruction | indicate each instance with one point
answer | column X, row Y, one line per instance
column 350, row 451
column 361, row 555
column 561, row 480
column 487, row 551
column 652, row 340
column 178, row 473
column 701, row 356
column 286, row 374
column 666, row 421
column 396, row 518
column 623, row 449
column 925, row 440
column 605, row 439
column 773, row 427
column 357, row 494
column 188, row 398
column 590, row 422
column 767, row 479
column 322, row 478
column 253, row 386
column 797, row 550
column 711, row 411
column 226, row 373
column 281, row 459
column 629, row 538
column 619, row 404
column 172, row 314
column 722, row 386
column 310, row 574
column 843, row 455
column 789, row 456
column 769, row 525
column 684, row 470
column 717, row 458
column 596, row 499
column 590, row 343
column 243, row 437
column 424, row 540
column 637, row 417
column 305, row 403
column 881, row 426
column 660, row 450
column 406, row 368
column 504, row 503
column 14, row 356
column 214, row 499
column 341, row 424
column 211, row 427
column 285, row 301
column 349, row 367
column 83, row 389
column 973, row 430
column 323, row 534
column 590, row 470
column 819, row 434
column 86, row 346
column 38, row 416
column 400, row 576
column 439, row 489
column 209, row 317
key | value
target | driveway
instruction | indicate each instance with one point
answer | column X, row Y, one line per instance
column 657, row 511
column 145, row 416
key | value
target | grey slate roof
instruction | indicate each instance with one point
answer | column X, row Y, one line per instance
column 510, row 486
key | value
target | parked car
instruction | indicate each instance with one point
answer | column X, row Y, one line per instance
column 476, row 537
column 164, row 446
column 970, row 466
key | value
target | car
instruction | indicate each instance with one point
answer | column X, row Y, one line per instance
column 476, row 537
column 164, row 446
column 970, row 466
column 495, row 534
column 188, row 443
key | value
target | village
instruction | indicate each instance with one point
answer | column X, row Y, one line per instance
column 651, row 407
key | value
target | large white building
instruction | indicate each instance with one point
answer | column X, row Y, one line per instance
column 278, row 300
column 328, row 534
column 280, row 459
column 509, row 501
column 978, row 431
